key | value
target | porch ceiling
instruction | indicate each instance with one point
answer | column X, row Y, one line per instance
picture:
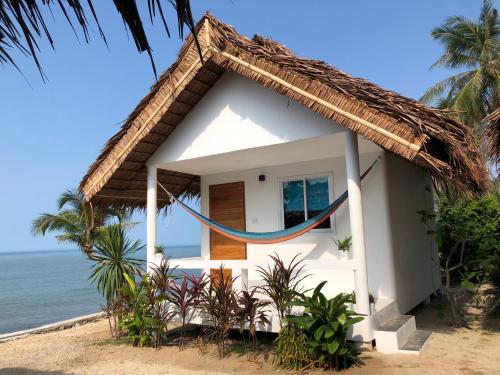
column 324, row 147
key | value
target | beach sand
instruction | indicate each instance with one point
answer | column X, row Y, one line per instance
column 87, row 350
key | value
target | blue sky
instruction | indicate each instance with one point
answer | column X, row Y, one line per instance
column 51, row 132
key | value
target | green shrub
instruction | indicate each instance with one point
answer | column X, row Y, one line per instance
column 325, row 323
column 220, row 308
column 140, row 323
column 475, row 224
column 282, row 283
column 290, row 348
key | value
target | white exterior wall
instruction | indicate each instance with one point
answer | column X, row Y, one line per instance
column 241, row 129
column 416, row 273
column 264, row 213
column 239, row 114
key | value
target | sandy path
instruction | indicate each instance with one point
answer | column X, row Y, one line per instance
column 84, row 350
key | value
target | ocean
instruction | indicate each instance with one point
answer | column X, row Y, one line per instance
column 43, row 287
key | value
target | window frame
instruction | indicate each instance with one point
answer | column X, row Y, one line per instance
column 303, row 177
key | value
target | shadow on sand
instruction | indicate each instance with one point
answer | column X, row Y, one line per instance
column 28, row 371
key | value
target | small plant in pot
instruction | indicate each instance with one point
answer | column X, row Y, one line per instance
column 159, row 252
column 344, row 246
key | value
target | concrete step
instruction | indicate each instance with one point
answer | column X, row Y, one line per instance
column 384, row 310
column 394, row 333
column 416, row 342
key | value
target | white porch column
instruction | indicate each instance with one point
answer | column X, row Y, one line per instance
column 151, row 212
column 358, row 234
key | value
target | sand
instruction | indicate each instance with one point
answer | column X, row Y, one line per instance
column 87, row 350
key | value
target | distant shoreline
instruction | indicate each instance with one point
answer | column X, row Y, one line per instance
column 57, row 326
column 11, row 252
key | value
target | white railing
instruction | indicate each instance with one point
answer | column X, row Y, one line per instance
column 241, row 268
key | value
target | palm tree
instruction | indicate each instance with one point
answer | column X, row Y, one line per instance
column 78, row 221
column 473, row 48
column 23, row 23
column 113, row 260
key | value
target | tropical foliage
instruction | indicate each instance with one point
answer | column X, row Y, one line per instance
column 291, row 348
column 467, row 231
column 343, row 244
column 220, row 308
column 114, row 260
column 79, row 222
column 140, row 323
column 23, row 23
column 252, row 313
column 326, row 322
column 185, row 296
column 472, row 48
column 282, row 282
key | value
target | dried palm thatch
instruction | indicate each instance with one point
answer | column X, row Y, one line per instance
column 492, row 136
column 400, row 125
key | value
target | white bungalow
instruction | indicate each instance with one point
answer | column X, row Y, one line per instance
column 266, row 140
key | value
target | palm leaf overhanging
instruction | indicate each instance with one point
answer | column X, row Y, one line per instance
column 23, row 23
column 473, row 48
column 78, row 221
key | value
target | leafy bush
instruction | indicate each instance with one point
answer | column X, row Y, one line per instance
column 325, row 322
column 468, row 237
column 140, row 323
column 475, row 223
column 282, row 283
column 113, row 260
column 251, row 313
column 290, row 348
column 185, row 298
column 220, row 305
column 160, row 282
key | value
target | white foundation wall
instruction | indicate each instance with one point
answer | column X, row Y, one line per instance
column 264, row 212
column 416, row 271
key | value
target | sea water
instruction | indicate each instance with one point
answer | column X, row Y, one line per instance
column 43, row 287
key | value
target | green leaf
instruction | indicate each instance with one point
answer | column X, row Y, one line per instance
column 342, row 318
column 333, row 346
column 329, row 333
column 318, row 334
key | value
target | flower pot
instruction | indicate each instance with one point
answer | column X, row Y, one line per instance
column 344, row 255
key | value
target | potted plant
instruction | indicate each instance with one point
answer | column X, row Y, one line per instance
column 159, row 252
column 344, row 246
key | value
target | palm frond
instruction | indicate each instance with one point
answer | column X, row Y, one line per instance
column 23, row 24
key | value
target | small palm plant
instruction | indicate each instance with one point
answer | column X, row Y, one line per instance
column 220, row 306
column 343, row 245
column 113, row 260
column 282, row 282
column 78, row 221
column 185, row 297
column 251, row 313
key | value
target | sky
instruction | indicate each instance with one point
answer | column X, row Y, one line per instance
column 51, row 132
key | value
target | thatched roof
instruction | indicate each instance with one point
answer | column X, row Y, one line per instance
column 398, row 124
column 492, row 135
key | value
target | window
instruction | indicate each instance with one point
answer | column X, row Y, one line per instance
column 304, row 198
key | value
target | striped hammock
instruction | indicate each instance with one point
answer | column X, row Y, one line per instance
column 268, row 237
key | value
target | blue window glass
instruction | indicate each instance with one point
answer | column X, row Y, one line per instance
column 293, row 202
column 305, row 198
column 317, row 198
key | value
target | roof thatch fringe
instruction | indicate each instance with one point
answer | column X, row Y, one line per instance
column 400, row 125
column 492, row 136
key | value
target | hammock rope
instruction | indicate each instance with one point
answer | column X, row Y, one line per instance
column 267, row 237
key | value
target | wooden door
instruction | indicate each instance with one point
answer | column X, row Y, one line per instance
column 227, row 207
